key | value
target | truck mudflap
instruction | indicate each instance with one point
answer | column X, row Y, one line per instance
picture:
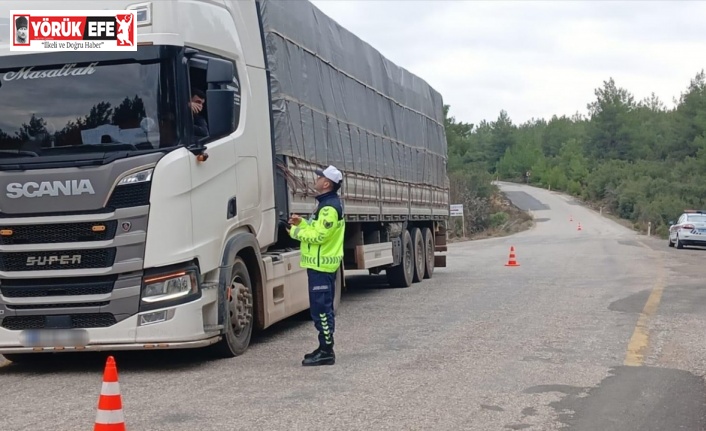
column 440, row 246
column 440, row 261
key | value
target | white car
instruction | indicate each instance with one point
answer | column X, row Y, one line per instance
column 690, row 229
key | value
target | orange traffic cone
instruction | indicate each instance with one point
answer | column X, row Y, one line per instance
column 579, row 228
column 110, row 404
column 512, row 261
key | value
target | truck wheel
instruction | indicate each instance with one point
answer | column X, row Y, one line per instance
column 402, row 274
column 419, row 255
column 237, row 309
column 429, row 252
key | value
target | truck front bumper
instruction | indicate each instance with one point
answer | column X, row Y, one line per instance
column 178, row 327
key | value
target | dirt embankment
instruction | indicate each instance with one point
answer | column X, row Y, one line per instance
column 503, row 219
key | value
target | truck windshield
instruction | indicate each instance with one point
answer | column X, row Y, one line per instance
column 90, row 105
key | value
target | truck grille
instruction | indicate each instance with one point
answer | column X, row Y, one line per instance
column 58, row 233
column 58, row 259
column 55, row 213
column 34, row 288
column 126, row 196
column 75, row 321
column 62, row 305
column 130, row 195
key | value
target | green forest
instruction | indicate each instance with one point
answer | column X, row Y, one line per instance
column 638, row 160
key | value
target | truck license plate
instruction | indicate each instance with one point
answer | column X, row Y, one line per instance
column 54, row 338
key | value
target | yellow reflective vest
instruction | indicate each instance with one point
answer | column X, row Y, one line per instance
column 321, row 236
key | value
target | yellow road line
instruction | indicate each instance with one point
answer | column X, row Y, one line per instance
column 635, row 355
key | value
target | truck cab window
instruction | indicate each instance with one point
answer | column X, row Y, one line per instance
column 199, row 86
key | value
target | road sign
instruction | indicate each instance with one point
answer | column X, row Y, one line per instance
column 456, row 210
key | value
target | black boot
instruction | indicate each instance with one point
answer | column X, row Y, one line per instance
column 320, row 356
column 312, row 354
column 322, row 346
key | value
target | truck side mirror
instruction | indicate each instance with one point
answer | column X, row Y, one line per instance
column 219, row 71
column 221, row 112
column 220, row 102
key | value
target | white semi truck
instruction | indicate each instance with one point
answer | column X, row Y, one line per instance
column 121, row 229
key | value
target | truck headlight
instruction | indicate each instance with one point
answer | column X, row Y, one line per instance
column 137, row 177
column 171, row 286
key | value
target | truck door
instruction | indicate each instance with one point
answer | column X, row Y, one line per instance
column 214, row 183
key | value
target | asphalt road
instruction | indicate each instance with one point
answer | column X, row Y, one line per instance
column 597, row 329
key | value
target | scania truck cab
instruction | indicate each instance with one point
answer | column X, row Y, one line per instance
column 120, row 226
column 118, row 223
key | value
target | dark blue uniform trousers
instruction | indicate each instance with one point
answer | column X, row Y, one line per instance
column 322, row 289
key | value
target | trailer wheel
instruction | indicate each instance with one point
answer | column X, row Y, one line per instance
column 429, row 252
column 401, row 275
column 419, row 255
column 237, row 307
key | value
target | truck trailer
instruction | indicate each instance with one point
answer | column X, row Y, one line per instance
column 121, row 228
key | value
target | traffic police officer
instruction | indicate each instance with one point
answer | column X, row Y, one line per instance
column 321, row 239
